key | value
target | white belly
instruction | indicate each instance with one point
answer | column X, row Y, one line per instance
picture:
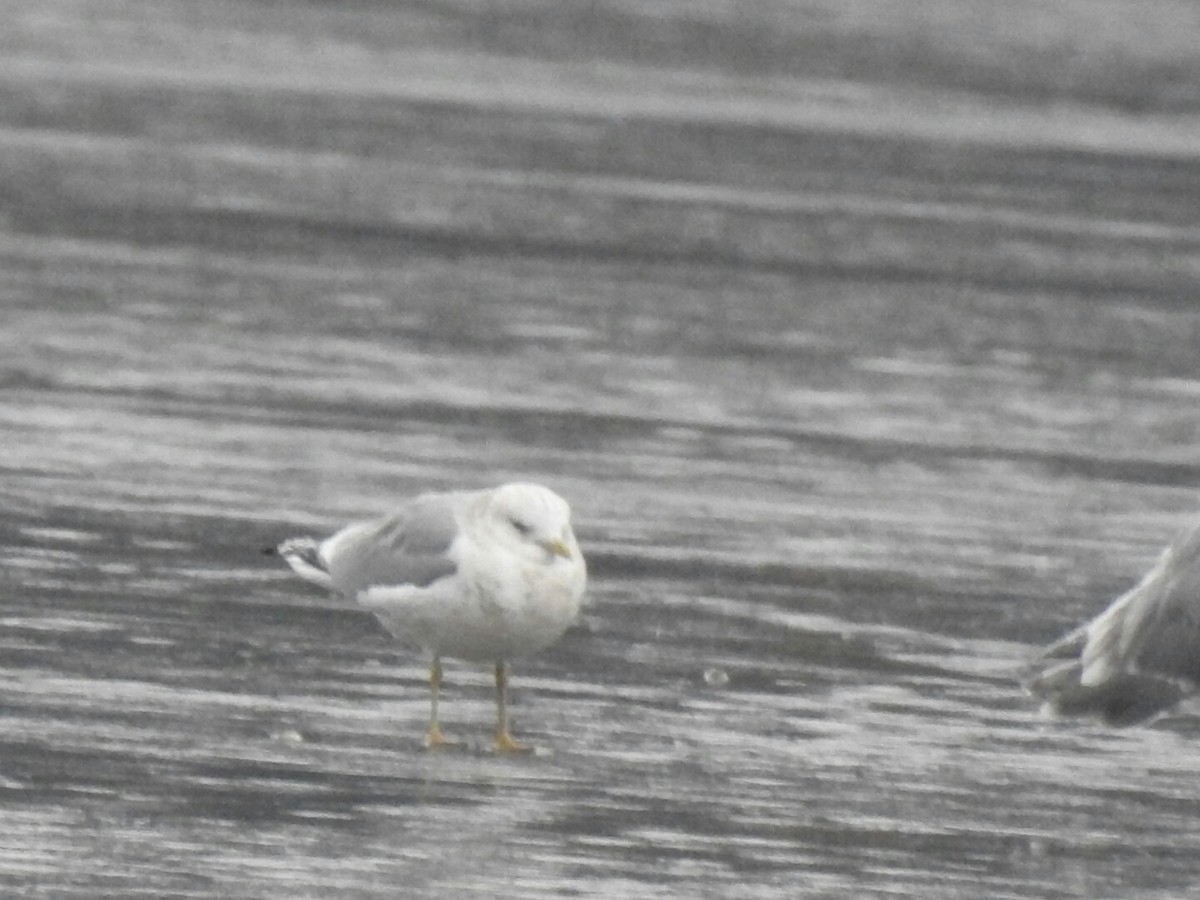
column 484, row 618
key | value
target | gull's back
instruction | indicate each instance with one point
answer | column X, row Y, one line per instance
column 411, row 547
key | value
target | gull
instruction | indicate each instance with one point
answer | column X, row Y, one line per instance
column 1140, row 656
column 484, row 576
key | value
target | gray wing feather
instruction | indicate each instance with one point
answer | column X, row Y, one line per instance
column 1161, row 627
column 408, row 548
column 1140, row 655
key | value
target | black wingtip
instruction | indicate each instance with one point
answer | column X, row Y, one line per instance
column 269, row 551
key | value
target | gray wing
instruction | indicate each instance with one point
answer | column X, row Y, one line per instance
column 1159, row 630
column 410, row 547
column 1139, row 656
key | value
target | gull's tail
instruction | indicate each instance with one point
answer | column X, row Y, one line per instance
column 304, row 556
column 1129, row 699
column 1072, row 681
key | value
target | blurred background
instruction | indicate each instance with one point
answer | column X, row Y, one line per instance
column 861, row 336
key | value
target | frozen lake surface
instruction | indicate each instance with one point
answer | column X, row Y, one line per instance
column 850, row 423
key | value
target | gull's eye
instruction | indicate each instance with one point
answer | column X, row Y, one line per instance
column 521, row 527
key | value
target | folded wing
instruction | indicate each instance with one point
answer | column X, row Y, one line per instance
column 1138, row 657
column 413, row 547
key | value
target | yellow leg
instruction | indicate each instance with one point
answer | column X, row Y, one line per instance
column 504, row 738
column 435, row 738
